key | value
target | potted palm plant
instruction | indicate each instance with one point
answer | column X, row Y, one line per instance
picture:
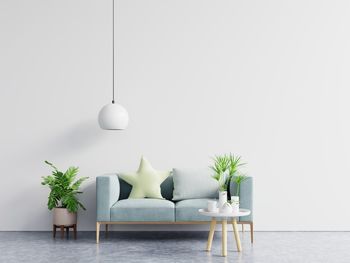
column 237, row 177
column 225, row 167
column 220, row 169
column 63, row 195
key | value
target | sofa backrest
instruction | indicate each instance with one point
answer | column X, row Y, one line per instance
column 167, row 188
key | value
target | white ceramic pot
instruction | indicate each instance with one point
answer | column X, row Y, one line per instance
column 235, row 204
column 226, row 208
column 212, row 205
column 222, row 198
column 61, row 217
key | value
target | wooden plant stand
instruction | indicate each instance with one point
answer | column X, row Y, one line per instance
column 54, row 227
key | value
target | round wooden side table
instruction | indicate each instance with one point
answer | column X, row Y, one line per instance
column 224, row 217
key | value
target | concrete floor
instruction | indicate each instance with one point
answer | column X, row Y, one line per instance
column 154, row 247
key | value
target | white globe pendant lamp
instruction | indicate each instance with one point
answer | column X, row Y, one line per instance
column 113, row 116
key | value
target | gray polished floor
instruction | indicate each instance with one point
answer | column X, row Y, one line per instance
column 178, row 247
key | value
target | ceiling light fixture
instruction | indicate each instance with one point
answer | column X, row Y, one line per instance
column 113, row 116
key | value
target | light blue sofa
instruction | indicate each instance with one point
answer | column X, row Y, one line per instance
column 114, row 207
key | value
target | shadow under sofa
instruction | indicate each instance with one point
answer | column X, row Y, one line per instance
column 114, row 207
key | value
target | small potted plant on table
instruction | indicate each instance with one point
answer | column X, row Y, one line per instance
column 63, row 196
column 237, row 177
column 221, row 175
column 224, row 168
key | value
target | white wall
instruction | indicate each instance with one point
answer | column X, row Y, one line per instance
column 268, row 80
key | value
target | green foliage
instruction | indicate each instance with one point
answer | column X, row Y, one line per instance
column 225, row 166
column 238, row 179
column 64, row 188
column 234, row 164
column 221, row 164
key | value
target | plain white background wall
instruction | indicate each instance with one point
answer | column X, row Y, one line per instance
column 268, row 80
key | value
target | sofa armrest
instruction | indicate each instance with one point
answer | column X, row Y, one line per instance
column 245, row 196
column 107, row 193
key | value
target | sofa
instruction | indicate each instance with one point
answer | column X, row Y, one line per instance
column 114, row 207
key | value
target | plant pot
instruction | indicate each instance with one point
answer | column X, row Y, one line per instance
column 235, row 204
column 61, row 217
column 226, row 208
column 222, row 198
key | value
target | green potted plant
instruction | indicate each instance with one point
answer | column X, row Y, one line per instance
column 225, row 167
column 237, row 177
column 62, row 199
column 220, row 169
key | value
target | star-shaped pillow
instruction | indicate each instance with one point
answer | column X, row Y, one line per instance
column 146, row 181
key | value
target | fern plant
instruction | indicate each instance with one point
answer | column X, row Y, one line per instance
column 64, row 188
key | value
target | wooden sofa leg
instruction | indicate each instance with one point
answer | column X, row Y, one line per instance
column 251, row 232
column 106, row 232
column 97, row 232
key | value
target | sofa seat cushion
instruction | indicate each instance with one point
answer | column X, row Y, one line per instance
column 187, row 210
column 143, row 210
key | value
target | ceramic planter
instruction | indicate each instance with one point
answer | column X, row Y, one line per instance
column 222, row 198
column 226, row 208
column 235, row 204
column 212, row 206
column 61, row 217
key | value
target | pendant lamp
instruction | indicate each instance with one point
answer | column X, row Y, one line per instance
column 113, row 116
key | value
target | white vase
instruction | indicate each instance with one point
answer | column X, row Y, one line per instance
column 226, row 208
column 222, row 198
column 235, row 204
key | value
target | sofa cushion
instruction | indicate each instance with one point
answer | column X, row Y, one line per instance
column 187, row 210
column 145, row 181
column 141, row 210
column 191, row 184
column 167, row 188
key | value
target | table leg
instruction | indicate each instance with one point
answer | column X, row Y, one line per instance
column 211, row 233
column 235, row 231
column 224, row 237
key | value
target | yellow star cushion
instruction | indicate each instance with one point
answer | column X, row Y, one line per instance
column 146, row 181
